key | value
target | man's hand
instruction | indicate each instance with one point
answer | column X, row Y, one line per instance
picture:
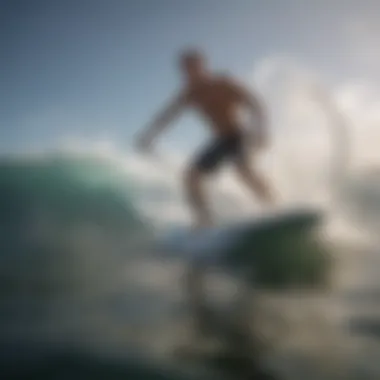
column 257, row 136
column 160, row 123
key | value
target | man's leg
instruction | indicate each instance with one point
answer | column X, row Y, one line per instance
column 255, row 182
column 196, row 198
column 206, row 163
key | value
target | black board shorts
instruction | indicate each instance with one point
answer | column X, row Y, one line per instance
column 220, row 150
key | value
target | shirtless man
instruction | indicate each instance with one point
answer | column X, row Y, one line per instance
column 218, row 99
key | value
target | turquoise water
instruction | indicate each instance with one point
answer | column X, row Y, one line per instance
column 72, row 189
column 67, row 225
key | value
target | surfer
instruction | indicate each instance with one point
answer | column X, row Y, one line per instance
column 218, row 99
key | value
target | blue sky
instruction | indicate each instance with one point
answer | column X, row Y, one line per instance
column 91, row 67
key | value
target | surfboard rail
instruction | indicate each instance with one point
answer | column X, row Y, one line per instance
column 281, row 250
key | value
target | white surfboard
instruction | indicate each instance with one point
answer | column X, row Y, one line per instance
column 212, row 244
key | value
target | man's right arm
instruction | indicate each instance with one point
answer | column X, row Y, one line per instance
column 162, row 121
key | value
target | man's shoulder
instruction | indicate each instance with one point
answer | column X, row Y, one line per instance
column 227, row 79
column 223, row 77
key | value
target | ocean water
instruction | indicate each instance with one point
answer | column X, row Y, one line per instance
column 80, row 276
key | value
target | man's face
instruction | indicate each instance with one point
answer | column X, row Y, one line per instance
column 193, row 67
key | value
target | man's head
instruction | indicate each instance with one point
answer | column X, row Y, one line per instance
column 192, row 63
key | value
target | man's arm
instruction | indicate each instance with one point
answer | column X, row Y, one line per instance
column 256, row 108
column 162, row 121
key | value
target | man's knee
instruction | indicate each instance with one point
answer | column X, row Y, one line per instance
column 249, row 174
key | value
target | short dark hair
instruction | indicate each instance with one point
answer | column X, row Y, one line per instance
column 190, row 55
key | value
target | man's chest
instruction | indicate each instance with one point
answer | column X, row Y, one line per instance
column 210, row 96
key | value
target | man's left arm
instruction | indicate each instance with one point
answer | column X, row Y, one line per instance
column 256, row 108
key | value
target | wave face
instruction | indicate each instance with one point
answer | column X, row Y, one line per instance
column 66, row 224
column 74, row 189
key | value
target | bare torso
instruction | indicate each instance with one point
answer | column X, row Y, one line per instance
column 217, row 102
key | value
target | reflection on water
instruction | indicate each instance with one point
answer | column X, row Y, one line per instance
column 319, row 337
